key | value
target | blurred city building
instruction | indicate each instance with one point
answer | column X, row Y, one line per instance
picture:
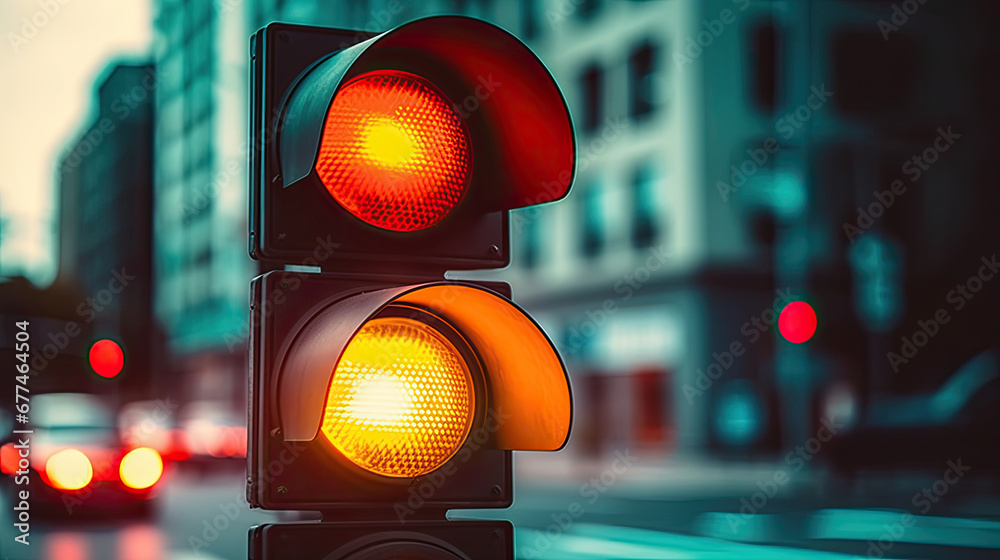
column 106, row 227
column 201, row 265
column 725, row 146
column 59, row 337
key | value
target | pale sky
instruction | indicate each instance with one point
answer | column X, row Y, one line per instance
column 46, row 97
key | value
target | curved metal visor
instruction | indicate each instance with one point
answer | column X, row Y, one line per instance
column 519, row 122
column 525, row 387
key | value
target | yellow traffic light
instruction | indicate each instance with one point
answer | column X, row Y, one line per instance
column 401, row 400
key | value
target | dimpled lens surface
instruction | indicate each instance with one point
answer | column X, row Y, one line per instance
column 401, row 399
column 395, row 152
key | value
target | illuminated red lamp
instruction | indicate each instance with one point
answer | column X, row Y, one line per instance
column 395, row 152
column 797, row 322
column 408, row 148
column 106, row 358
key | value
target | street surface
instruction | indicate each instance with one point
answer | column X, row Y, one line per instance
column 647, row 513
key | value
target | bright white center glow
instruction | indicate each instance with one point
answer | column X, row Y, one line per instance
column 381, row 401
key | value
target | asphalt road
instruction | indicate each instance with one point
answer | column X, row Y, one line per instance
column 203, row 516
column 185, row 525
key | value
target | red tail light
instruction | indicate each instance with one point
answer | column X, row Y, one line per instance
column 8, row 459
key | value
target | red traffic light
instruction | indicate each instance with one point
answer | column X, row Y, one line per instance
column 797, row 322
column 106, row 358
column 519, row 117
column 395, row 152
column 408, row 147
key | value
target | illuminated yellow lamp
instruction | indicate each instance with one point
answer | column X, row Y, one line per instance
column 401, row 400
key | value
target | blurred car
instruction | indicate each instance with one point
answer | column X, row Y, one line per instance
column 78, row 462
column 958, row 420
column 212, row 432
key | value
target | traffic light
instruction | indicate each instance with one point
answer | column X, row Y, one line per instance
column 476, row 540
column 797, row 322
column 379, row 389
column 106, row 358
column 406, row 149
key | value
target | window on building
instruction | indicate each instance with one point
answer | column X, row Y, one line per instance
column 592, row 88
column 641, row 68
column 592, row 240
column 644, row 211
column 765, row 66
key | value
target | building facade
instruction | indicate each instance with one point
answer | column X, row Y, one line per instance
column 106, row 202
column 202, row 269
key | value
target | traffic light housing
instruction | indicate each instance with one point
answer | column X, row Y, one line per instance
column 303, row 326
column 341, row 143
column 380, row 390
column 455, row 540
